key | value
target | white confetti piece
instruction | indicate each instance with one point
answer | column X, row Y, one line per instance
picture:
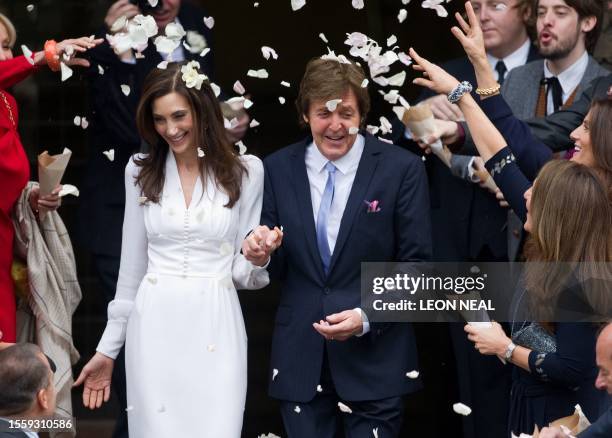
column 162, row 65
column 254, row 123
column 403, row 13
column 125, row 89
column 391, row 40
column 201, row 153
column 399, row 111
column 353, row 130
column 142, row 200
column 256, row 4
column 332, row 104
column 268, row 52
column 261, row 73
column 385, row 140
column 216, row 89
column 110, row 154
column 405, row 2
column 372, row 129
column 226, row 249
column 357, row 4
column 211, row 347
column 165, row 45
column 375, row 432
column 297, row 409
column 436, row 6
column 324, row 38
column 84, row 123
column 274, row 374
column 297, row 4
column 281, row 99
column 66, row 71
column 391, row 96
column 248, row 103
column 27, row 53
column 412, row 374
column 404, row 58
column 119, row 24
column 68, row 189
column 100, row 69
column 153, row 3
column 239, row 88
column 77, row 121
column 397, row 80
column 364, row 83
column 209, row 22
column 344, row 408
column 241, row 147
column 285, row 84
column 205, row 52
column 462, row 409
column 385, row 126
column 30, row 7
column 319, row 388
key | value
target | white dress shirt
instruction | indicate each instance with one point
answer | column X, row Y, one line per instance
column 345, row 175
column 515, row 59
column 569, row 79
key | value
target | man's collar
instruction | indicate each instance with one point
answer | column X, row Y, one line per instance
column 344, row 163
column 514, row 59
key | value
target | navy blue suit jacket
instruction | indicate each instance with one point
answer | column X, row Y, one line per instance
column 373, row 366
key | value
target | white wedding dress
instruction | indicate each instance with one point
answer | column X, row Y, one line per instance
column 176, row 306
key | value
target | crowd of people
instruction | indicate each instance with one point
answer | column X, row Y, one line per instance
column 186, row 220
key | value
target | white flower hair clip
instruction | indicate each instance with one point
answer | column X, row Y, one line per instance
column 191, row 75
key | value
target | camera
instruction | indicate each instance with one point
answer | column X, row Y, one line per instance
column 146, row 8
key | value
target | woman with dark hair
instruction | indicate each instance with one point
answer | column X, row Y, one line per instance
column 189, row 204
column 14, row 164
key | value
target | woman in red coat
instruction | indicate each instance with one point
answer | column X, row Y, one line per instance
column 14, row 164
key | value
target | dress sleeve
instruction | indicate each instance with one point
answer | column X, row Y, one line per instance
column 134, row 261
column 510, row 180
column 15, row 70
column 245, row 274
column 574, row 358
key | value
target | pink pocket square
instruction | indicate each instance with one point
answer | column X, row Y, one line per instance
column 373, row 206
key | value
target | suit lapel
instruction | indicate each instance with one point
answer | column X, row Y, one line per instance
column 304, row 202
column 365, row 171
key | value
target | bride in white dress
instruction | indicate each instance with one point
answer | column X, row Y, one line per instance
column 187, row 211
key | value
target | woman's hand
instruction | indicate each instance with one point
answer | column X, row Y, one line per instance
column 435, row 78
column 48, row 202
column 261, row 243
column 96, row 375
column 488, row 340
column 72, row 47
column 470, row 35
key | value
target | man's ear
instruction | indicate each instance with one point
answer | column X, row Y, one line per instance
column 42, row 398
column 305, row 119
column 587, row 24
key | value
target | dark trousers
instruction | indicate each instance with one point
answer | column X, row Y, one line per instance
column 107, row 268
column 321, row 417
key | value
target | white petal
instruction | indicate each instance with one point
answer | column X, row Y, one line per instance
column 100, row 69
column 364, row 83
column 375, row 432
column 66, row 71
column 68, row 189
column 297, row 409
column 344, row 408
column 205, row 51
column 372, row 129
column 216, row 89
column 110, row 154
column 256, row 4
column 297, row 4
column 403, row 13
column 462, row 409
column 357, row 4
column 125, row 89
column 385, row 140
column 254, row 123
column 323, row 37
column 281, row 99
column 385, row 125
column 241, row 147
column 210, row 347
column 201, row 153
column 397, row 80
column 84, row 123
column 165, row 45
column 353, row 130
column 331, row 105
column 405, row 2
column 129, row 408
column 399, row 111
column 175, row 31
column 441, row 11
column 261, row 73
column 391, row 96
column 30, row 7
column 274, row 373
column 403, row 102
column 412, row 374
column 27, row 53
column 268, row 51
column 404, row 58
column 248, row 103
column 239, row 88
column 226, row 248
column 285, row 84
column 226, row 123
column 319, row 388
column 162, row 65
column 77, row 121
column 153, row 3
column 391, row 40
column 119, row 24
column 209, row 22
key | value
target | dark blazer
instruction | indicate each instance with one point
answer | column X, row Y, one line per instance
column 602, row 428
column 373, row 366
column 113, row 125
column 5, row 432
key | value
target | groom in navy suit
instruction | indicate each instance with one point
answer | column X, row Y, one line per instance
column 342, row 198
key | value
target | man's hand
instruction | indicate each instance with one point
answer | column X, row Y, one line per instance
column 447, row 132
column 442, row 109
column 553, row 432
column 119, row 9
column 236, row 133
column 259, row 245
column 340, row 326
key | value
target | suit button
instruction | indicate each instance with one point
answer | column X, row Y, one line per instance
column 327, row 291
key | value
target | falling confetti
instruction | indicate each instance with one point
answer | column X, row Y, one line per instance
column 68, row 189
column 319, row 388
column 462, row 409
column 241, row 147
column 100, row 69
column 281, row 99
column 364, row 83
column 412, row 374
column 268, row 52
column 209, row 22
column 162, row 65
column 125, row 89
column 201, row 153
column 331, row 105
column 274, row 374
column 110, row 154
column 239, row 88
column 254, row 123
column 297, row 4
column 285, row 84
column 324, row 38
column 297, row 409
column 357, row 4
column 66, row 71
column 391, row 40
column 261, row 73
column 403, row 13
column 344, row 408
column 30, row 7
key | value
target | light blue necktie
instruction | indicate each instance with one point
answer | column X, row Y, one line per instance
column 323, row 216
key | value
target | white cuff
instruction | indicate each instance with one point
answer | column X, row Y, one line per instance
column 364, row 320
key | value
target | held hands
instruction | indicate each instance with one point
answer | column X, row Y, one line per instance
column 490, row 340
column 49, row 202
column 96, row 374
column 434, row 77
column 258, row 245
column 340, row 326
